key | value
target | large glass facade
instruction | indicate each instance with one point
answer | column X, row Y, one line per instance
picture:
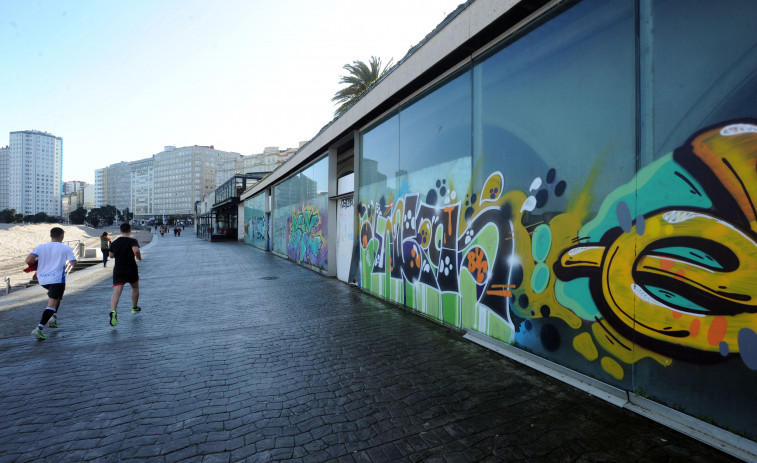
column 300, row 216
column 585, row 192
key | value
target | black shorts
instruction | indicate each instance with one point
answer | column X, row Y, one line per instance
column 119, row 280
column 55, row 290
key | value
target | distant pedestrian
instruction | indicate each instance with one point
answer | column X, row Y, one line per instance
column 175, row 231
column 51, row 259
column 125, row 250
column 178, row 232
column 105, row 246
column 162, row 231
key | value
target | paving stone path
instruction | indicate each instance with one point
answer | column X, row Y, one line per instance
column 240, row 355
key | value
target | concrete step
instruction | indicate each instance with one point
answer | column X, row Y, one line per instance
column 80, row 265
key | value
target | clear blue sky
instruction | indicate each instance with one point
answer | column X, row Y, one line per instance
column 120, row 80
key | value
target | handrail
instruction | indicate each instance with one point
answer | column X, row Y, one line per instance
column 78, row 248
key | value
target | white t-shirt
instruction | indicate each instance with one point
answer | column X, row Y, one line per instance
column 51, row 262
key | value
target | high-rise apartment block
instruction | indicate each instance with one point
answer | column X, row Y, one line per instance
column 73, row 186
column 34, row 171
column 166, row 184
column 267, row 161
column 183, row 175
column 114, row 186
column 4, row 155
column 142, row 188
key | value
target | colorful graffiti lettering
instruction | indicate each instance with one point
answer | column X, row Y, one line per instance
column 666, row 269
column 305, row 242
column 256, row 227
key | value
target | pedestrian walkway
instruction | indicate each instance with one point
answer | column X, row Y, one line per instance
column 241, row 355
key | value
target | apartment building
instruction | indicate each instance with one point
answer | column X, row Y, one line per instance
column 73, row 186
column 4, row 154
column 183, row 175
column 142, row 188
column 34, row 171
column 267, row 161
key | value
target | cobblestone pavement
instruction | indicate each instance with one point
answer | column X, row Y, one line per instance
column 240, row 355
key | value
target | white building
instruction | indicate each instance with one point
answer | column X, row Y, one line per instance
column 72, row 186
column 88, row 197
column 4, row 155
column 113, row 186
column 142, row 188
column 183, row 175
column 267, row 161
column 35, row 167
column 100, row 187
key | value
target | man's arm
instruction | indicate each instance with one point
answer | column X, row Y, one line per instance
column 137, row 254
column 30, row 259
column 71, row 257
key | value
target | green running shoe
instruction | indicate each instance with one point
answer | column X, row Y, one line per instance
column 53, row 323
column 37, row 333
column 136, row 309
column 113, row 318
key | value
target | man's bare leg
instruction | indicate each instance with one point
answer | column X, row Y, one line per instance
column 135, row 294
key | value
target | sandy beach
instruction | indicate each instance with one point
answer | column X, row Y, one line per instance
column 17, row 241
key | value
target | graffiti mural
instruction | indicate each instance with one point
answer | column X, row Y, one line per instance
column 255, row 222
column 305, row 238
column 666, row 270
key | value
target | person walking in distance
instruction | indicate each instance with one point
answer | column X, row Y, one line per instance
column 125, row 250
column 51, row 259
column 105, row 242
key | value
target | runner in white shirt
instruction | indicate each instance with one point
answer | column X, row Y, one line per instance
column 51, row 259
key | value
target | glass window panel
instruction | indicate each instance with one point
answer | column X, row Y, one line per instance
column 300, row 216
column 562, row 97
column 379, row 160
column 255, row 221
column 698, row 74
column 704, row 66
column 554, row 112
column 437, row 128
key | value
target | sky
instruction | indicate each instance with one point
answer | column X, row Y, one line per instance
column 119, row 80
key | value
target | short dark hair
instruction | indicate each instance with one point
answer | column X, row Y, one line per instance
column 56, row 232
column 125, row 227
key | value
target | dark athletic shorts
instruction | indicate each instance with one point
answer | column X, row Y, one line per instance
column 55, row 290
column 120, row 280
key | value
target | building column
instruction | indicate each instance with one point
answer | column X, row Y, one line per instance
column 332, row 211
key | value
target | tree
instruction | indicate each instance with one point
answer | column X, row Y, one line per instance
column 102, row 215
column 7, row 215
column 78, row 216
column 361, row 76
column 108, row 214
column 125, row 215
column 41, row 217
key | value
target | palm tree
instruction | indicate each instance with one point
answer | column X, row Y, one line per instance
column 361, row 76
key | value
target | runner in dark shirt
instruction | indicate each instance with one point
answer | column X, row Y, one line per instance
column 125, row 250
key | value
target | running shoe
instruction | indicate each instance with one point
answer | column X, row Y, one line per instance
column 37, row 333
column 113, row 318
column 53, row 323
column 136, row 309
